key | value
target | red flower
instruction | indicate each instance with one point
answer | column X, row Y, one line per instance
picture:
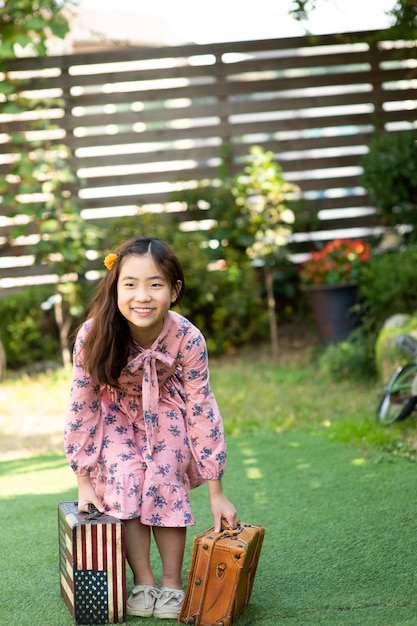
column 338, row 262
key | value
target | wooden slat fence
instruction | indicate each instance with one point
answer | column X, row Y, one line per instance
column 143, row 122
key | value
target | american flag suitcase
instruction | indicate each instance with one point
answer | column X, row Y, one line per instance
column 92, row 565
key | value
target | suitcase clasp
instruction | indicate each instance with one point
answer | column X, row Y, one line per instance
column 221, row 570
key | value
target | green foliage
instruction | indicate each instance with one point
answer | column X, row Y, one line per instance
column 253, row 212
column 64, row 235
column 302, row 8
column 28, row 24
column 224, row 303
column 390, row 176
column 404, row 14
column 28, row 333
column 264, row 199
column 404, row 17
column 219, row 203
column 387, row 287
column 253, row 215
column 353, row 358
column 40, row 183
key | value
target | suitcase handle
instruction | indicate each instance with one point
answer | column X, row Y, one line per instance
column 93, row 513
column 227, row 530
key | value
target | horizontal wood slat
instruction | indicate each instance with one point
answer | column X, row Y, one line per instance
column 143, row 121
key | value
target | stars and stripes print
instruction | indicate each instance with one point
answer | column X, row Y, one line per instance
column 92, row 566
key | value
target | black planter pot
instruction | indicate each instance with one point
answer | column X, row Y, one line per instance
column 333, row 308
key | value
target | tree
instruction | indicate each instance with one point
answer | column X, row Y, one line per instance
column 403, row 13
column 26, row 25
column 264, row 199
column 389, row 175
column 40, row 183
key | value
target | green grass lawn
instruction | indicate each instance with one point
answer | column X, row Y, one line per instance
column 340, row 544
column 306, row 460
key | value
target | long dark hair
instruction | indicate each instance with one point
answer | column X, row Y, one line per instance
column 106, row 346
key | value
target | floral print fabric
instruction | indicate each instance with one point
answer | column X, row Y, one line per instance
column 161, row 433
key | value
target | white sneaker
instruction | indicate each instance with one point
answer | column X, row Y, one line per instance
column 169, row 603
column 142, row 600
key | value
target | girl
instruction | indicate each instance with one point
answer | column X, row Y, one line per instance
column 143, row 426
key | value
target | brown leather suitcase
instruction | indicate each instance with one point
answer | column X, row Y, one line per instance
column 223, row 568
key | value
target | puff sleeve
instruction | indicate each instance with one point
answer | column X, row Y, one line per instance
column 83, row 434
column 204, row 421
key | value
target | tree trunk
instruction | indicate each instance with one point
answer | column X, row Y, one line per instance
column 273, row 327
column 2, row 361
column 63, row 327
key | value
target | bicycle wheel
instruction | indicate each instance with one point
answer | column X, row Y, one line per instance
column 397, row 402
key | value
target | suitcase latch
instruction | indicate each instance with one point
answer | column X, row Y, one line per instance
column 221, row 570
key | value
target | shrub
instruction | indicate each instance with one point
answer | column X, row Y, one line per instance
column 388, row 287
column 390, row 177
column 28, row 333
column 353, row 358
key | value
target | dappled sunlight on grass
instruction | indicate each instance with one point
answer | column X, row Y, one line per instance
column 254, row 473
column 360, row 461
column 49, row 473
column 254, row 470
column 49, row 461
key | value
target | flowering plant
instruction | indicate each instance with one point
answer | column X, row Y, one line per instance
column 338, row 262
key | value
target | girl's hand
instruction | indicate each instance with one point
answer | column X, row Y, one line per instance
column 87, row 495
column 221, row 507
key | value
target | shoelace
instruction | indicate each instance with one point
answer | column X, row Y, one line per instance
column 150, row 595
column 170, row 594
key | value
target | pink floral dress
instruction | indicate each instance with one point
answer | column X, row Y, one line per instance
column 146, row 444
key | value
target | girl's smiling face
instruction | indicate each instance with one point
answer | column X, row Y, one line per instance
column 144, row 296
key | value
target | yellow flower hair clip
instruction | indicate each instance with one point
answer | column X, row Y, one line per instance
column 110, row 260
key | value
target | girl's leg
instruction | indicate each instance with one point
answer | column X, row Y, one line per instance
column 138, row 545
column 171, row 546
